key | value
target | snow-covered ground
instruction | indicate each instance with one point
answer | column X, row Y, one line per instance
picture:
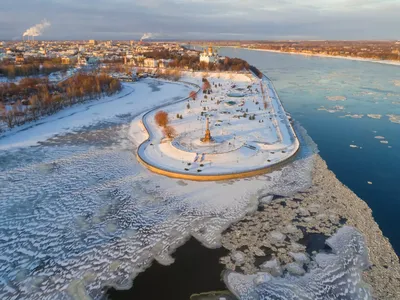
column 80, row 213
column 133, row 98
column 239, row 145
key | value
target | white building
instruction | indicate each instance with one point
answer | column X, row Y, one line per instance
column 163, row 63
column 150, row 63
column 209, row 56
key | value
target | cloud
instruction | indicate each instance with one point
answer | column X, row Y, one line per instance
column 245, row 19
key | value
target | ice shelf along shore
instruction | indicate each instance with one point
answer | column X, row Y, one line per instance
column 80, row 213
column 335, row 275
column 249, row 130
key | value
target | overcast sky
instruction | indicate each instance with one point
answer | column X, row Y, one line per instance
column 204, row 19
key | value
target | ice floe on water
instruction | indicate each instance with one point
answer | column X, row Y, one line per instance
column 374, row 116
column 78, row 215
column 336, row 98
column 336, row 108
column 353, row 146
column 379, row 137
column 394, row 118
column 355, row 116
column 336, row 274
column 384, row 142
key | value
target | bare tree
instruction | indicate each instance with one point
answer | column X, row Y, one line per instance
column 8, row 117
column 161, row 118
column 206, row 85
column 169, row 131
column 34, row 106
column 19, row 112
column 193, row 95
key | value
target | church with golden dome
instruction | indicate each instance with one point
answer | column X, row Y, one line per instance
column 209, row 55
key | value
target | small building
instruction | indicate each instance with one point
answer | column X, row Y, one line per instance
column 65, row 60
column 19, row 59
column 163, row 63
column 92, row 42
column 137, row 60
column 209, row 56
column 81, row 61
column 150, row 63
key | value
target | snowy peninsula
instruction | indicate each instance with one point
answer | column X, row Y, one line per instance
column 233, row 126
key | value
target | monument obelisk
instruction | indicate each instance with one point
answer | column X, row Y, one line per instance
column 207, row 137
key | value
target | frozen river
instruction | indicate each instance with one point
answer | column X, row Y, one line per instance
column 80, row 213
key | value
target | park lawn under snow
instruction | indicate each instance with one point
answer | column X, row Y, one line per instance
column 134, row 98
column 241, row 144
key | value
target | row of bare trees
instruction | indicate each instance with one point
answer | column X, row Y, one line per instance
column 42, row 98
column 193, row 95
column 162, row 120
column 31, row 67
column 192, row 63
column 173, row 75
column 206, row 85
column 88, row 86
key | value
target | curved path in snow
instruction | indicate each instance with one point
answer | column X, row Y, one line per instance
column 224, row 173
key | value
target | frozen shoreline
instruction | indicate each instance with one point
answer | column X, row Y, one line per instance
column 385, row 62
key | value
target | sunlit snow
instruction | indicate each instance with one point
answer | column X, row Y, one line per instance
column 80, row 213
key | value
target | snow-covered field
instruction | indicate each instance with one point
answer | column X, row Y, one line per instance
column 80, row 213
column 133, row 98
column 239, row 145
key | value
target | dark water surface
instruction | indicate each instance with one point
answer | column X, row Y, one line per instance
column 196, row 270
column 303, row 84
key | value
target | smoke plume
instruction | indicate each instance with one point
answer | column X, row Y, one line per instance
column 146, row 36
column 38, row 29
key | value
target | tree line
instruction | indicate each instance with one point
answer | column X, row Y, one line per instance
column 161, row 118
column 193, row 63
column 34, row 98
column 31, row 67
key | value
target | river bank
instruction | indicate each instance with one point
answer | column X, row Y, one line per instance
column 387, row 62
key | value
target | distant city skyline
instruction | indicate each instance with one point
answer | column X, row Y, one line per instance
column 203, row 19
